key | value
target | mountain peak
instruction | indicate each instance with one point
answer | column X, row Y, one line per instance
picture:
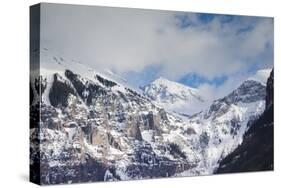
column 161, row 80
column 174, row 96
column 172, row 85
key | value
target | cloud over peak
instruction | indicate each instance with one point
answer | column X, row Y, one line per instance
column 130, row 40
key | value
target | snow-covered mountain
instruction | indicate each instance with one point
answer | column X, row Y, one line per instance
column 91, row 126
column 220, row 128
column 88, row 121
column 256, row 151
column 174, row 97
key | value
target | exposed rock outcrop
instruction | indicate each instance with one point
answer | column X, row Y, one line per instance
column 60, row 91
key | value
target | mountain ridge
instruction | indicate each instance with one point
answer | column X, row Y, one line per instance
column 94, row 122
column 246, row 157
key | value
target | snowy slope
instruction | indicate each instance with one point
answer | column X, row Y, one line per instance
column 51, row 62
column 255, row 153
column 220, row 128
column 174, row 96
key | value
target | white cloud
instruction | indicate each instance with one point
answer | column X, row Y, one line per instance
column 212, row 92
column 130, row 39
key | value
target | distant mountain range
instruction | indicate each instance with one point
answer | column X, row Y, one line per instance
column 95, row 127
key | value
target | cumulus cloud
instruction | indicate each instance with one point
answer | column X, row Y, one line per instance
column 127, row 40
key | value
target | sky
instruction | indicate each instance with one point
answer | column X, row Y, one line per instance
column 210, row 52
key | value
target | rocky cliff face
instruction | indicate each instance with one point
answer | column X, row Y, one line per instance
column 100, row 124
column 256, row 151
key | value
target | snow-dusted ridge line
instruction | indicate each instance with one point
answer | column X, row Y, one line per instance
column 56, row 63
column 51, row 64
column 172, row 85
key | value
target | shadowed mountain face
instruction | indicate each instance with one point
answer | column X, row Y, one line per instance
column 256, row 151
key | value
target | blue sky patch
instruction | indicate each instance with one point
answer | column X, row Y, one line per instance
column 206, row 18
column 194, row 80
